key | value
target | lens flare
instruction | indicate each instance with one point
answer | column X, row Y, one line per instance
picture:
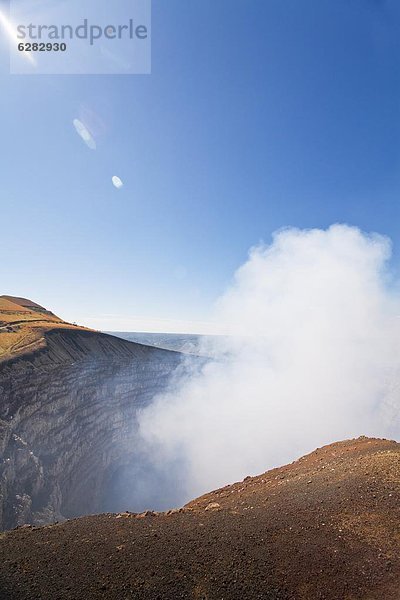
column 84, row 133
column 117, row 182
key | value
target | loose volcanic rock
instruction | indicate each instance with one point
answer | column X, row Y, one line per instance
column 274, row 537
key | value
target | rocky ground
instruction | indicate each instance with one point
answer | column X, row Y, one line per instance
column 326, row 527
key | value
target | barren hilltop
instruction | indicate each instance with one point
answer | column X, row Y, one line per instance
column 326, row 527
column 24, row 325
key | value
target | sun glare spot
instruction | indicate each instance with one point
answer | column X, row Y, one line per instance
column 11, row 32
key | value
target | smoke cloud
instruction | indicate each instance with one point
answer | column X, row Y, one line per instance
column 312, row 357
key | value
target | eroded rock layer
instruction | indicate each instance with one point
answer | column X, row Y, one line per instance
column 67, row 422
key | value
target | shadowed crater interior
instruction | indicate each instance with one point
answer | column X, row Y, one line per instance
column 69, row 441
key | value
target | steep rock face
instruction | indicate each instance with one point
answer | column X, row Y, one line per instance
column 68, row 421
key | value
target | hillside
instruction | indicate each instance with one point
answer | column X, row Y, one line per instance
column 24, row 325
column 326, row 527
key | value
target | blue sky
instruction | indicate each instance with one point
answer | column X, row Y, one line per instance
column 258, row 114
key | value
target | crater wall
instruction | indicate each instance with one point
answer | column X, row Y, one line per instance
column 68, row 423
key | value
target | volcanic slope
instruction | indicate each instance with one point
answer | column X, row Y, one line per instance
column 24, row 325
column 325, row 527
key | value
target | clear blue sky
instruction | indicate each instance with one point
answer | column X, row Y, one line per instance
column 258, row 114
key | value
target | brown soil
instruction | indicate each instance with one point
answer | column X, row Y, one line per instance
column 24, row 325
column 21, row 302
column 326, row 527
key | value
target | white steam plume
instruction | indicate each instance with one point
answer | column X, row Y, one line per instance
column 313, row 358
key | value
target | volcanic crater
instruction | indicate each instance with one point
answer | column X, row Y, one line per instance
column 326, row 527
